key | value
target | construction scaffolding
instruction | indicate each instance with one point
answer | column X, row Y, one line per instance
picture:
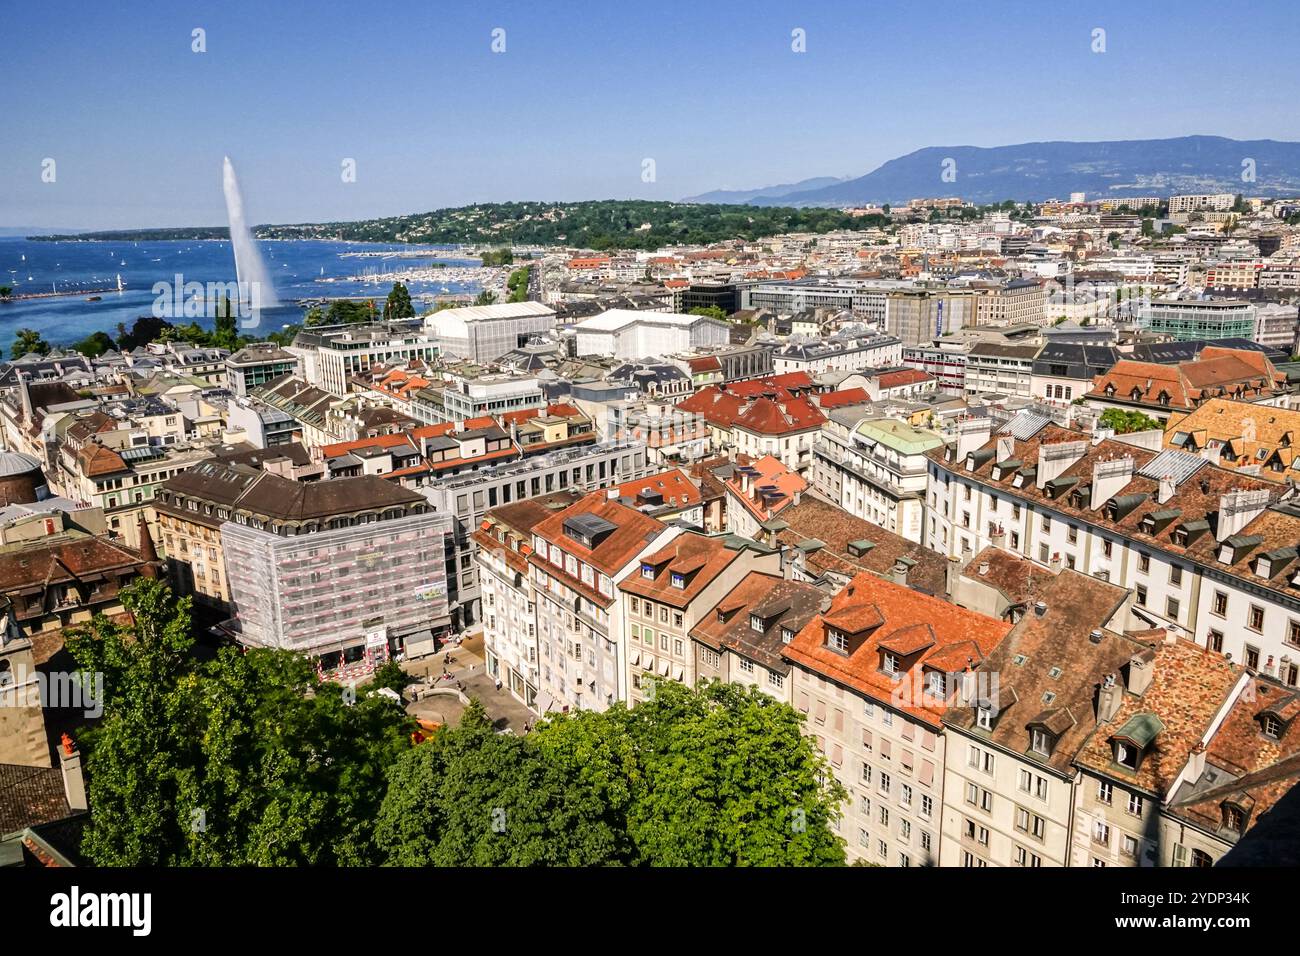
column 331, row 591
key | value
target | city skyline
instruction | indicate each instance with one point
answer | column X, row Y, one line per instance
column 292, row 98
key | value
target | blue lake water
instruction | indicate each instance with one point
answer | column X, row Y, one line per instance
column 295, row 266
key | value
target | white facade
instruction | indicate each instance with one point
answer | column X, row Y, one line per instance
column 627, row 334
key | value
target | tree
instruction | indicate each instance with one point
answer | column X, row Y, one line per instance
column 6, row 291
column 486, row 297
column 518, row 285
column 244, row 760
column 95, row 344
column 1124, row 422
column 710, row 311
column 146, row 329
column 225, row 332
column 28, row 341
column 716, row 777
column 399, row 304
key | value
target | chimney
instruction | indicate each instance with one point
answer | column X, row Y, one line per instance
column 1095, row 636
column 1054, row 460
column 971, row 435
column 1100, row 435
column 1140, row 667
column 1109, row 478
column 1238, row 509
column 899, row 573
column 1196, row 763
column 1006, row 448
column 1108, row 699
column 984, row 568
column 1167, row 489
column 1040, row 608
column 611, row 494
column 74, row 784
column 998, row 538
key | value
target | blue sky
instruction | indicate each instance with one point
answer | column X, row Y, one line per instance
column 137, row 123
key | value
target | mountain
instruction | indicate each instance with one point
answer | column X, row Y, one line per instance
column 1038, row 171
column 743, row 196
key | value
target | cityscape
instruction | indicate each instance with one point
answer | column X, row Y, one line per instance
column 943, row 514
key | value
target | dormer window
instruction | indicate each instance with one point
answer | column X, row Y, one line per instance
column 787, row 635
column 1271, row 726
column 984, row 718
column 1234, row 818
column 648, row 571
column 1126, row 755
column 678, row 580
column 936, row 684
column 889, row 664
column 1040, row 742
column 837, row 641
column 756, row 623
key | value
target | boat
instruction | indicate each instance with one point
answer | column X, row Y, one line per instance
column 93, row 298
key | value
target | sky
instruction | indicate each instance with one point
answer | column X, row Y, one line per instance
column 414, row 95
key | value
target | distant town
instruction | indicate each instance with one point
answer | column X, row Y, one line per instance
column 973, row 528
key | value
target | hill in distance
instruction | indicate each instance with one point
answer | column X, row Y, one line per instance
column 742, row 196
column 1030, row 172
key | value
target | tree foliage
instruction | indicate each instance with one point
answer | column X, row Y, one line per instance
column 27, row 341
column 244, row 760
column 1123, row 422
column 399, row 304
column 716, row 777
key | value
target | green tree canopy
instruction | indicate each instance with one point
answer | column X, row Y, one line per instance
column 399, row 304
column 244, row 760
column 1124, row 422
column 710, row 311
column 716, row 777
column 27, row 341
column 95, row 344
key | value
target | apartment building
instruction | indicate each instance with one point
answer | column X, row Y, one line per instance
column 762, row 417
column 256, row 364
column 1008, row 370
column 196, row 505
column 1253, row 439
column 468, row 497
column 670, row 593
column 1153, row 717
column 1009, row 774
column 740, row 639
column 944, row 361
column 1220, row 202
column 919, row 316
column 473, row 397
column 1063, row 372
column 874, row 674
column 580, row 557
column 1017, row 302
column 1196, row 319
column 875, row 469
column 839, row 354
column 504, row 540
column 1208, row 553
column 757, row 494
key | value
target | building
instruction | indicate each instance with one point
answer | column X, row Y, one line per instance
column 1016, row 302
column 1218, row 202
column 875, row 674
column 838, row 354
column 626, row 334
column 919, row 316
column 1208, row 553
column 992, row 368
column 1062, row 373
column 468, row 497
column 740, row 639
column 761, row 417
column 484, row 333
column 196, row 506
column 1254, row 439
column 1009, row 772
column 944, row 361
column 757, row 493
column 675, row 589
column 580, row 557
column 1195, row 319
column 1162, row 391
column 330, row 357
column 255, row 365
column 875, row 470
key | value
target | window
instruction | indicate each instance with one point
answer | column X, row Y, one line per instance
column 1271, row 726
column 1220, row 605
column 756, row 623
column 1255, row 619
column 1216, row 641
column 1040, row 741
column 1026, row 780
column 1126, row 755
column 1293, row 632
column 984, row 718
column 678, row 580
column 746, row 665
column 1129, row 846
column 1106, row 548
column 1135, row 804
column 1072, row 534
column 1144, row 562
column 1172, row 607
column 1141, row 595
column 1105, row 791
column 837, row 641
column 1175, row 575
column 927, row 806
column 775, row 679
column 1201, row 858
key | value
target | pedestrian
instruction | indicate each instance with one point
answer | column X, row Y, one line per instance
column 498, row 683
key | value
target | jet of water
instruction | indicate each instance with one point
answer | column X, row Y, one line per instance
column 250, row 270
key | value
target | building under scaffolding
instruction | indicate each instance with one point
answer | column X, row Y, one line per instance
column 372, row 588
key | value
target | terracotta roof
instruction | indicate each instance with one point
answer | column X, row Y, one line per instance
column 814, row 520
column 783, row 605
column 632, row 532
column 516, row 521
column 694, row 559
column 1189, row 685
column 875, row 613
column 849, row 396
column 674, row 486
column 1049, row 667
column 774, row 476
column 1018, row 578
column 30, row 796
